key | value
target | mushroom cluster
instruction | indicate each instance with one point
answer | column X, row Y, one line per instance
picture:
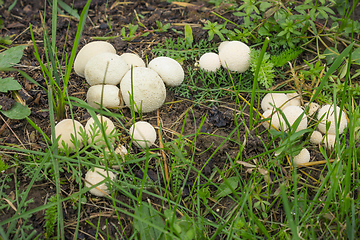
column 233, row 55
column 118, row 79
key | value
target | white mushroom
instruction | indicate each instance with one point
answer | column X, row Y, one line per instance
column 235, row 56
column 110, row 65
column 133, row 60
column 274, row 99
column 66, row 130
column 294, row 99
column 292, row 113
column 316, row 137
column 329, row 141
column 275, row 119
column 149, row 89
column 94, row 133
column 312, row 108
column 328, row 116
column 143, row 134
column 87, row 52
column 170, row 71
column 210, row 62
column 302, row 157
column 97, row 175
column 122, row 151
column 111, row 96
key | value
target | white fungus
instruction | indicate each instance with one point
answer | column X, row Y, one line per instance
column 292, row 113
column 66, row 129
column 275, row 119
column 94, row 133
column 316, row 137
column 95, row 176
column 210, row 62
column 170, row 71
column 111, row 96
column 327, row 114
column 149, row 89
column 313, row 107
column 329, row 141
column 110, row 65
column 274, row 99
column 294, row 99
column 302, row 157
column 87, row 52
column 133, row 60
column 143, row 134
column 235, row 56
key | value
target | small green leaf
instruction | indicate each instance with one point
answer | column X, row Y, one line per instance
column 9, row 84
column 188, row 35
column 11, row 56
column 225, row 188
column 68, row 9
column 18, row 111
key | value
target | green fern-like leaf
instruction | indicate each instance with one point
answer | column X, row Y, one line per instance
column 266, row 73
column 286, row 56
column 50, row 217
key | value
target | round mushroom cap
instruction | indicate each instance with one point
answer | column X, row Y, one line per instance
column 294, row 99
column 274, row 99
column 149, row 89
column 316, row 137
column 170, row 71
column 87, row 52
column 329, row 141
column 312, row 108
column 210, row 62
column 94, row 132
column 275, row 119
column 328, row 115
column 66, row 129
column 111, row 96
column 95, row 176
column 222, row 44
column 302, row 157
column 133, row 59
column 235, row 55
column 96, row 67
column 143, row 134
column 292, row 113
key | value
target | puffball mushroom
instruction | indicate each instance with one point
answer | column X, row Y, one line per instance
column 327, row 114
column 210, row 62
column 95, row 176
column 292, row 113
column 274, row 99
column 143, row 134
column 235, row 56
column 316, row 137
column 302, row 157
column 67, row 128
column 111, row 96
column 149, row 89
column 329, row 141
column 94, row 133
column 87, row 52
column 170, row 71
column 275, row 119
column 313, row 107
column 97, row 68
column 294, row 99
column 133, row 60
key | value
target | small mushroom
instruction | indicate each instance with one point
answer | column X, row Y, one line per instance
column 292, row 113
column 329, row 141
column 149, row 91
column 316, row 137
column 275, row 119
column 111, row 96
column 95, row 176
column 143, row 134
column 87, row 52
column 210, row 62
column 94, row 133
column 278, row 100
column 170, row 71
column 302, row 157
column 133, row 60
column 313, row 108
column 66, row 130
column 235, row 56
column 326, row 113
column 294, row 99
column 106, row 64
